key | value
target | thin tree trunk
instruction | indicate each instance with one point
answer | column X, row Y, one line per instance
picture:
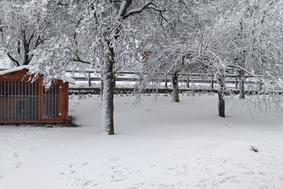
column 221, row 93
column 242, row 85
column 101, row 86
column 166, row 82
column 175, row 92
column 108, row 92
column 188, row 82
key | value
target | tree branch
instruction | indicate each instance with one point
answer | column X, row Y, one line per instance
column 38, row 41
column 2, row 27
column 79, row 59
column 13, row 60
column 149, row 5
column 30, row 39
column 124, row 6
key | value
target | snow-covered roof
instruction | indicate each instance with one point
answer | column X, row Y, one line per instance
column 11, row 70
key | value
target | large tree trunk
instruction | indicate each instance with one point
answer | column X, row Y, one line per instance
column 108, row 92
column 26, row 45
column 175, row 92
column 221, row 105
column 221, row 93
column 242, row 85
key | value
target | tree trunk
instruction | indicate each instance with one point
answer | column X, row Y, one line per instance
column 221, row 105
column 242, row 85
column 188, row 82
column 175, row 92
column 108, row 92
column 166, row 82
column 26, row 46
column 101, row 87
column 221, row 93
column 212, row 82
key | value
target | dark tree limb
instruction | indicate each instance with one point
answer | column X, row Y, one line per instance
column 79, row 59
column 148, row 6
column 38, row 41
column 75, row 35
column 16, row 62
column 31, row 38
column 2, row 27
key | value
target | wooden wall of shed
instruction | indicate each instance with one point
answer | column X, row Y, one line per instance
column 23, row 75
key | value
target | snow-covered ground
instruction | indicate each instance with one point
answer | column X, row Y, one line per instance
column 159, row 145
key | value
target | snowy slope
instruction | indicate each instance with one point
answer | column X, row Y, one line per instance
column 159, row 145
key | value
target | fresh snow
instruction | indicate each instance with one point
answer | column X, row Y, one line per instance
column 19, row 68
column 159, row 145
column 15, row 69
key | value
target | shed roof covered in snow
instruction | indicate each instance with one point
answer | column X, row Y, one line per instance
column 20, row 68
column 11, row 70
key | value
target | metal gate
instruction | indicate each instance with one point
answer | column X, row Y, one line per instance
column 19, row 101
column 50, row 103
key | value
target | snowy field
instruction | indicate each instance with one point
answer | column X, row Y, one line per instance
column 159, row 145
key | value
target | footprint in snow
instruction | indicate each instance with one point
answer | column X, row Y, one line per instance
column 228, row 179
column 172, row 168
column 114, row 159
column 18, row 165
column 118, row 179
column 153, row 165
column 87, row 182
column 16, row 155
column 165, row 186
column 137, row 185
column 221, row 174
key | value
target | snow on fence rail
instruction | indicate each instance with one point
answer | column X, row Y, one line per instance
column 89, row 81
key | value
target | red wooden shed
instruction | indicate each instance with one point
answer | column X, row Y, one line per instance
column 24, row 100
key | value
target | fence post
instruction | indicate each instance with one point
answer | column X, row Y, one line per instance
column 212, row 82
column 260, row 86
column 114, row 81
column 166, row 82
column 89, row 79
column 188, row 82
column 236, row 83
column 101, row 86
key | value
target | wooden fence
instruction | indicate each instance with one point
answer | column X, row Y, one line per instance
column 91, row 81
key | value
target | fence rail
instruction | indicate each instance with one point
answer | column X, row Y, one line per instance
column 189, row 82
column 89, row 81
column 96, row 91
